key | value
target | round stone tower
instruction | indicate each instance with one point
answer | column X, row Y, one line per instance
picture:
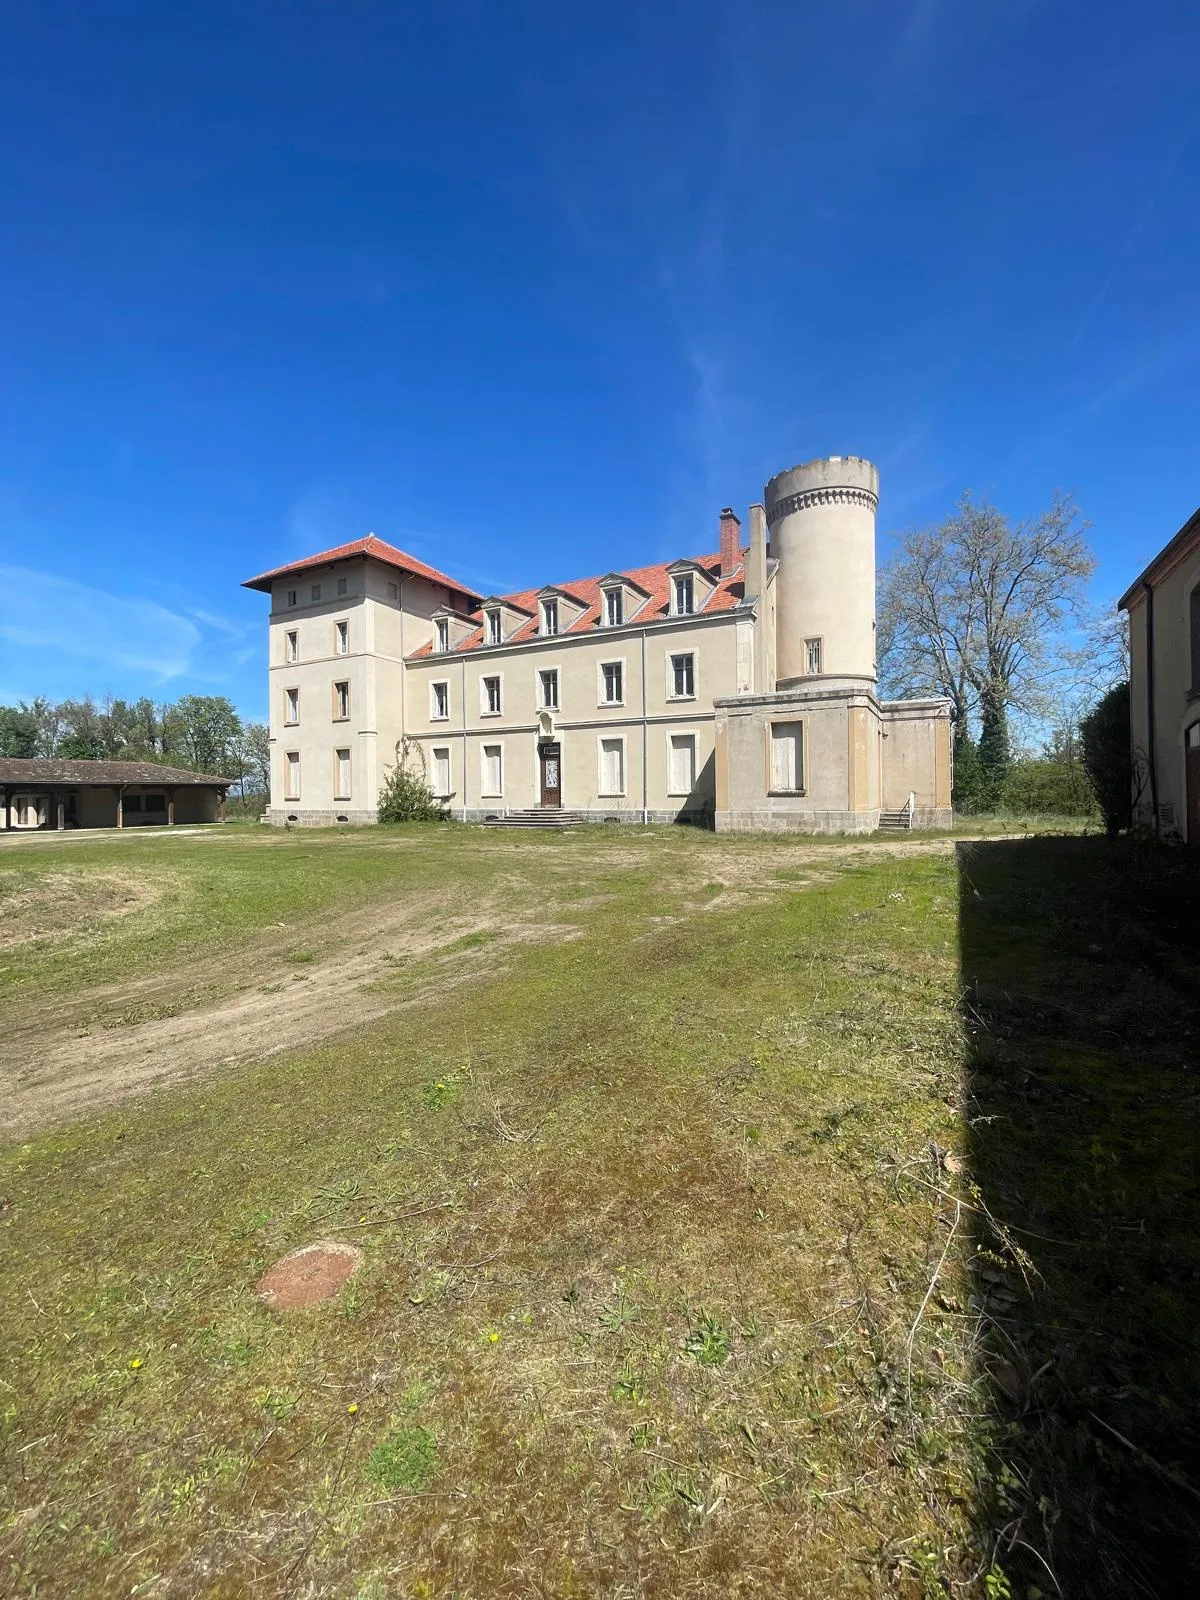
column 821, row 519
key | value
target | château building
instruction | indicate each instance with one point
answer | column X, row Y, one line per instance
column 734, row 687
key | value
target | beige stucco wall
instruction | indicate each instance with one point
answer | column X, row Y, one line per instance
column 822, row 521
column 382, row 626
column 1176, row 702
column 582, row 718
column 915, row 739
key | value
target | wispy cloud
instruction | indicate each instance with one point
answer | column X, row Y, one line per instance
column 59, row 636
column 39, row 611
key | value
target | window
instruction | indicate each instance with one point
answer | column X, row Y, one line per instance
column 612, row 683
column 439, row 701
column 131, row 802
column 393, row 591
column 681, row 763
column 291, row 646
column 441, row 771
column 291, row 597
column 548, row 689
column 683, row 677
column 291, row 775
column 489, row 703
column 341, row 774
column 341, row 638
column 341, row 702
column 812, row 656
column 155, row 802
column 787, row 757
column 549, row 616
column 614, row 608
column 341, row 586
column 685, row 596
column 443, row 634
column 316, row 591
column 291, row 706
column 612, row 766
column 494, row 635
column 493, row 770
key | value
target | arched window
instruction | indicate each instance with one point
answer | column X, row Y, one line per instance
column 1195, row 620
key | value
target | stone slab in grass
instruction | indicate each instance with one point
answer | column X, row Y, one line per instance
column 309, row 1275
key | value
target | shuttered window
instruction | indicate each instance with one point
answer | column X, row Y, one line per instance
column 612, row 766
column 291, row 775
column 441, row 771
column 341, row 774
column 493, row 770
column 681, row 775
column 787, row 757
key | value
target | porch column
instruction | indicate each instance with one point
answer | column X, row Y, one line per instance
column 4, row 810
column 170, row 808
column 221, row 806
column 121, row 805
column 60, row 808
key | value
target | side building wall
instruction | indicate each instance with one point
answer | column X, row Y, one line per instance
column 1174, row 688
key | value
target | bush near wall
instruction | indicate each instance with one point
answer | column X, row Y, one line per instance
column 1048, row 788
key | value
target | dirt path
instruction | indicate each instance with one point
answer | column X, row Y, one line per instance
column 87, row 1052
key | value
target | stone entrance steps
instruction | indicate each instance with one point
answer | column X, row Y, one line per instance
column 895, row 821
column 537, row 817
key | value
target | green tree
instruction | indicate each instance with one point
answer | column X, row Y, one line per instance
column 975, row 608
column 1108, row 758
column 995, row 750
column 256, row 757
column 18, row 732
column 208, row 729
column 968, row 778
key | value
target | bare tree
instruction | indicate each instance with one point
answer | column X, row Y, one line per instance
column 975, row 607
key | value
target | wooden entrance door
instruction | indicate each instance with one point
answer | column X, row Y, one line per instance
column 550, row 756
column 1191, row 755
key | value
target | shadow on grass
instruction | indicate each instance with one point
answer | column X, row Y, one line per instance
column 1081, row 999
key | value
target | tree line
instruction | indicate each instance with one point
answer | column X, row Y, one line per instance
column 996, row 616
column 200, row 732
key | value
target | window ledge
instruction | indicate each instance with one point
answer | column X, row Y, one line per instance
column 341, row 719
column 789, row 793
column 485, row 715
column 610, row 705
column 675, row 698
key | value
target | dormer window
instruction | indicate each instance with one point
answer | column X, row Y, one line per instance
column 549, row 616
column 443, row 634
column 685, row 596
column 291, row 597
column 316, row 592
column 494, row 635
column 614, row 608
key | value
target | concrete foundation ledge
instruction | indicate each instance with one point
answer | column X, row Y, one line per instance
column 797, row 821
column 933, row 817
column 295, row 817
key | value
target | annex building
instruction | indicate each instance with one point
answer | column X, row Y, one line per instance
column 1163, row 606
column 735, row 687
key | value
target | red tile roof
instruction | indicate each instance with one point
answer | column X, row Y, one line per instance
column 370, row 546
column 655, row 580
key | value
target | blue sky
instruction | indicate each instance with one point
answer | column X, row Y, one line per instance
column 534, row 289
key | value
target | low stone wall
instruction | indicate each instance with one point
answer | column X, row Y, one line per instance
column 933, row 817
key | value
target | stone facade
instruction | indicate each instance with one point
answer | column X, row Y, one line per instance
column 648, row 695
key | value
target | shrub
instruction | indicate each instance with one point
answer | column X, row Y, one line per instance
column 1108, row 759
column 968, row 776
column 1048, row 788
column 406, row 796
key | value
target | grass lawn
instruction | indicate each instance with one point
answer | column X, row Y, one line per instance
column 708, row 1192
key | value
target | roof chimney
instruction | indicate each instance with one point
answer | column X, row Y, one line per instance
column 731, row 543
